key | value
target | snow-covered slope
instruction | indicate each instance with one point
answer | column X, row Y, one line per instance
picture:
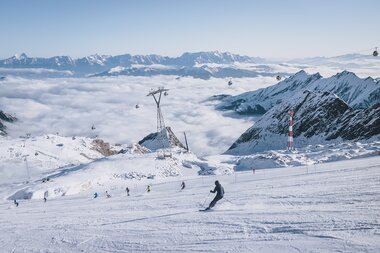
column 64, row 166
column 356, row 92
column 309, row 157
column 31, row 166
column 318, row 117
column 30, row 158
column 332, row 208
column 114, row 171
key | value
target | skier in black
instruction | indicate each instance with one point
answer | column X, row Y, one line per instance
column 46, row 194
column 183, row 185
column 15, row 202
column 219, row 194
column 127, row 190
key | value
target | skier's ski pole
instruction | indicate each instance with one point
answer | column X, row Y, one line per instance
column 228, row 200
column 204, row 202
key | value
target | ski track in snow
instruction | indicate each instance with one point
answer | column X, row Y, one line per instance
column 334, row 207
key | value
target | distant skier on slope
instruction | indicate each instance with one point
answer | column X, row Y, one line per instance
column 148, row 188
column 46, row 194
column 15, row 202
column 219, row 194
column 127, row 190
column 95, row 195
column 108, row 195
column 183, row 185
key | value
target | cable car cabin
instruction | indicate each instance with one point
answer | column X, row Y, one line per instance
column 229, row 83
column 278, row 78
column 375, row 53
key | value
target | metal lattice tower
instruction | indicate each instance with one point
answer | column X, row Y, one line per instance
column 162, row 135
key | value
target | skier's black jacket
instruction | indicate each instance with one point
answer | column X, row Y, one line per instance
column 219, row 190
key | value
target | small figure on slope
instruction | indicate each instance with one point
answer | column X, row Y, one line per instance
column 46, row 194
column 183, row 185
column 108, row 195
column 127, row 190
column 95, row 195
column 219, row 194
column 148, row 188
column 15, row 202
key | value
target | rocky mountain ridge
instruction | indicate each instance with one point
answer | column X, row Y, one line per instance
column 319, row 117
column 356, row 92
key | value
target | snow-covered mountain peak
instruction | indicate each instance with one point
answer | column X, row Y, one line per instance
column 15, row 59
column 20, row 56
column 357, row 92
column 346, row 74
column 97, row 59
column 300, row 75
column 319, row 117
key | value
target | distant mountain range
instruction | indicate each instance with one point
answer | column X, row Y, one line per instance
column 319, row 117
column 202, row 65
column 188, row 64
column 358, row 93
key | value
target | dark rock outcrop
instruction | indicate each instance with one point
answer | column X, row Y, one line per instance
column 318, row 117
column 358, row 93
column 103, row 147
column 165, row 139
column 5, row 117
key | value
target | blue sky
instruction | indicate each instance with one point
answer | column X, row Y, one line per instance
column 267, row 28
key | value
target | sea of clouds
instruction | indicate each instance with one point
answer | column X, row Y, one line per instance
column 70, row 106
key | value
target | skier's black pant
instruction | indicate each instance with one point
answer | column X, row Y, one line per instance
column 213, row 202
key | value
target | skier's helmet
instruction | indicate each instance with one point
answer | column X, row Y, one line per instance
column 216, row 182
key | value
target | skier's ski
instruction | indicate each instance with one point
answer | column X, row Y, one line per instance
column 205, row 210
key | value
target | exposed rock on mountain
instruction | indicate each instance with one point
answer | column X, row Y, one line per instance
column 103, row 147
column 165, row 139
column 4, row 117
column 318, row 117
column 356, row 92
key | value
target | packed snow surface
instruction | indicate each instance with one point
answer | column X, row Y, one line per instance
column 335, row 207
